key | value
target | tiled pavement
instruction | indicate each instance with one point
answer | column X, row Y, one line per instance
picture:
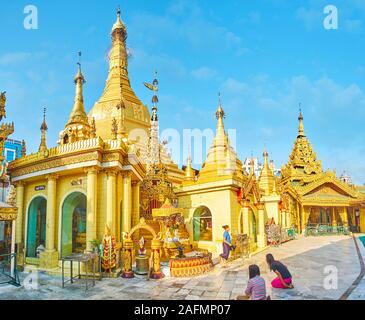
column 305, row 257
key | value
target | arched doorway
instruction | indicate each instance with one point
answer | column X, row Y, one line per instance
column 202, row 224
column 36, row 234
column 73, row 234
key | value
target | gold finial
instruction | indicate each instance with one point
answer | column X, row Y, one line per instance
column 220, row 112
column 301, row 125
column 189, row 171
column 79, row 76
column 78, row 113
column 44, row 128
column 119, row 23
column 265, row 154
column 44, row 124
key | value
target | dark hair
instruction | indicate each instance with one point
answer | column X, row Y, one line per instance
column 253, row 271
column 270, row 259
column 225, row 227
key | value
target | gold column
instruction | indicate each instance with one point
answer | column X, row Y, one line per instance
column 49, row 258
column 20, row 217
column 127, row 202
column 304, row 218
column 261, row 237
column 127, row 258
column 245, row 212
column 51, row 212
column 156, row 259
column 298, row 218
column 362, row 219
column 92, row 180
column 283, row 219
column 334, row 217
column 345, row 220
column 111, row 188
column 136, row 198
column 288, row 218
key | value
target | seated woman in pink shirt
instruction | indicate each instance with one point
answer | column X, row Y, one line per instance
column 256, row 288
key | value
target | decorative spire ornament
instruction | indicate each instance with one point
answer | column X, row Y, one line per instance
column 43, row 145
column 24, row 149
column 301, row 125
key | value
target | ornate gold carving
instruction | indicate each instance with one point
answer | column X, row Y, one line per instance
column 8, row 213
column 108, row 157
column 55, row 163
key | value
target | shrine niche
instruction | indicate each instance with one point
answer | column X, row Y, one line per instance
column 153, row 264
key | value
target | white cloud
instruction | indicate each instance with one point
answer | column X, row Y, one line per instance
column 312, row 18
column 15, row 58
column 353, row 26
column 204, row 73
column 265, row 111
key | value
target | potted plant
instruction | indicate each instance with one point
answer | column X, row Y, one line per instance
column 96, row 245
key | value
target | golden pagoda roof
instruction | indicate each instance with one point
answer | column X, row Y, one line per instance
column 222, row 161
column 118, row 91
column 119, row 23
column 78, row 113
column 303, row 164
column 267, row 179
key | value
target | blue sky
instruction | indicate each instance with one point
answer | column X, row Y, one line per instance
column 264, row 56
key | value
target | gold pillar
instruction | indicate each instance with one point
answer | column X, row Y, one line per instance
column 127, row 202
column 156, row 259
column 136, row 199
column 127, row 258
column 261, row 237
column 283, row 219
column 303, row 219
column 49, row 258
column 288, row 219
column 362, row 219
column 245, row 212
column 334, row 217
column 111, row 188
column 92, row 180
column 20, row 217
column 345, row 220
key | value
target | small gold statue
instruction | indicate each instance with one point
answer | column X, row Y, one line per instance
column 109, row 250
column 142, row 250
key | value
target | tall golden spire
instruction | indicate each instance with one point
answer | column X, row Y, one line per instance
column 78, row 114
column 119, row 25
column 78, row 126
column 266, row 179
column 220, row 115
column 301, row 125
column 44, row 128
column 220, row 154
column 303, row 164
column 189, row 171
column 117, row 88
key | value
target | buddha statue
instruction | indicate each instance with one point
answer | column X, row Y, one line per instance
column 142, row 250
